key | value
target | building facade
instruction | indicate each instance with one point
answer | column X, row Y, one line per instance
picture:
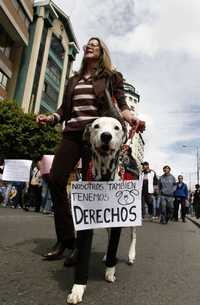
column 47, row 60
column 137, row 143
column 15, row 19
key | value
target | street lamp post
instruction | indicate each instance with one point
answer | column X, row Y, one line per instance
column 197, row 165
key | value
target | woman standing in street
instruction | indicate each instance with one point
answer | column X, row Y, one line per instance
column 83, row 102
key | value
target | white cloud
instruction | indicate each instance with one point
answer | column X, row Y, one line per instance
column 171, row 25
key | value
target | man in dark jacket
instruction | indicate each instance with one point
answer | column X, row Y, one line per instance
column 181, row 195
column 196, row 201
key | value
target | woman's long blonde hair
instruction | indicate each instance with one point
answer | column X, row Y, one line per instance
column 104, row 64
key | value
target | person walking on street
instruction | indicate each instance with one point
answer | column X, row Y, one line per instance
column 35, row 189
column 167, row 187
column 84, row 101
column 150, row 181
column 196, row 201
column 181, row 195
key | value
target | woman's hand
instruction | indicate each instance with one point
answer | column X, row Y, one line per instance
column 43, row 119
column 138, row 125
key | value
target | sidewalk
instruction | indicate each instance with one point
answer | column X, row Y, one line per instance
column 194, row 220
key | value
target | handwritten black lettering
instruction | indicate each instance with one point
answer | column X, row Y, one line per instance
column 78, row 213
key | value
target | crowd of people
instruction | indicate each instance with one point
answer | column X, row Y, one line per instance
column 163, row 196
column 31, row 196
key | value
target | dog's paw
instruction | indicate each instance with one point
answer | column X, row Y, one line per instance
column 131, row 261
column 76, row 294
column 110, row 274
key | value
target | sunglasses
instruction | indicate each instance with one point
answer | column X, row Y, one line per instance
column 91, row 45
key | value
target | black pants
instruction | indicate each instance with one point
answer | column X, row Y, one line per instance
column 84, row 245
column 35, row 196
column 70, row 150
column 18, row 200
column 147, row 199
column 176, row 208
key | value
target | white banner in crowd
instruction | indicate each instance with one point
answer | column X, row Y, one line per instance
column 106, row 204
column 17, row 170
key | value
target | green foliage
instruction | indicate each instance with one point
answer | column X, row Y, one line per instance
column 21, row 137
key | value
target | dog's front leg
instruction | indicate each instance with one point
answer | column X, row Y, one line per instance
column 132, row 248
column 76, row 294
column 111, row 259
column 110, row 274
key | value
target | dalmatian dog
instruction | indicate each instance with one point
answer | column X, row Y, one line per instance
column 106, row 137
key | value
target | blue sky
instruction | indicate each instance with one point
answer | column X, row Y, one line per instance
column 156, row 45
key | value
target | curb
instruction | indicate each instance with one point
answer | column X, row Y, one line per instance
column 194, row 221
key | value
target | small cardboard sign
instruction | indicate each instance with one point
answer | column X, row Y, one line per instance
column 106, row 204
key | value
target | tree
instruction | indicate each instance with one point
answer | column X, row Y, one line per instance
column 20, row 135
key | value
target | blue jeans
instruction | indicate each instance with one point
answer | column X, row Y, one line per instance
column 167, row 208
column 156, row 206
column 46, row 198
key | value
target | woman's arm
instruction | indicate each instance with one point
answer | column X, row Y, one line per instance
column 118, row 92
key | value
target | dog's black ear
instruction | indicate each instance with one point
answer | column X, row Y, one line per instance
column 86, row 133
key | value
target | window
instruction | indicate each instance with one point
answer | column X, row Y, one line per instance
column 7, row 52
column 5, row 42
column 57, row 48
column 3, row 80
column 21, row 12
column 53, row 71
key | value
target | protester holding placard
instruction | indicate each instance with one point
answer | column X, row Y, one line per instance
column 83, row 102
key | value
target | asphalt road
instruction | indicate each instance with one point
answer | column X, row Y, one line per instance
column 166, row 271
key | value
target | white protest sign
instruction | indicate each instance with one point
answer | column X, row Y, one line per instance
column 106, row 204
column 17, row 170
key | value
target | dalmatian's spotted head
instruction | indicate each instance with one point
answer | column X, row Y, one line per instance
column 106, row 137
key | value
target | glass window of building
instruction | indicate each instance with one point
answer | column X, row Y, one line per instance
column 49, row 98
column 3, row 80
column 53, row 71
column 21, row 11
column 5, row 42
column 57, row 48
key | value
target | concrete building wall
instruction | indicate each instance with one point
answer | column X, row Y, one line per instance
column 15, row 18
column 137, row 142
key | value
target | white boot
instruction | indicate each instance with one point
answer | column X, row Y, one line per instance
column 76, row 294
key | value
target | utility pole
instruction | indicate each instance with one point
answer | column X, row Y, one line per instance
column 197, row 165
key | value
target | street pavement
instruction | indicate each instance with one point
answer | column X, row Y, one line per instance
column 166, row 271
